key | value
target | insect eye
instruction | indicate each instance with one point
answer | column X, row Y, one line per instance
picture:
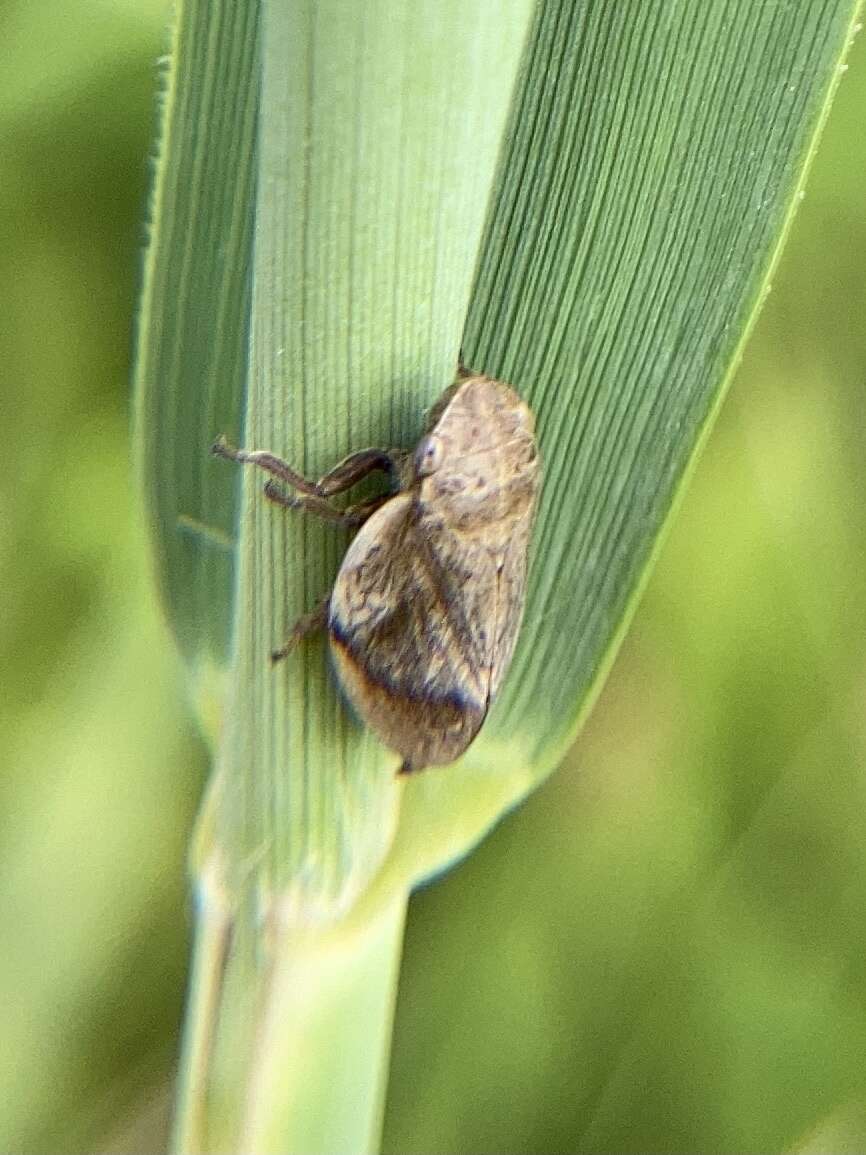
column 428, row 456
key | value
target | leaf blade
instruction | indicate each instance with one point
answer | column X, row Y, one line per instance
column 624, row 449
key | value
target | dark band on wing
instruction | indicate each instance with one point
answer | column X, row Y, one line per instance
column 455, row 698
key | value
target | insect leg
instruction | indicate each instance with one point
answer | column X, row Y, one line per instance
column 267, row 461
column 307, row 624
column 357, row 466
column 344, row 475
column 357, row 514
column 307, row 501
column 353, row 515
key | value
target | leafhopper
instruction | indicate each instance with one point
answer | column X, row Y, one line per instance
column 426, row 607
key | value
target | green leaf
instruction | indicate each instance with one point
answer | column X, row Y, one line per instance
column 635, row 203
column 652, row 166
column 194, row 322
column 364, row 255
column 652, row 162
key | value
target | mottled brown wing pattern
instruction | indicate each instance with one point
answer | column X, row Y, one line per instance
column 464, row 576
column 409, row 626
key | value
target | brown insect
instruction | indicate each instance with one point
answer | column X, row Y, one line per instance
column 426, row 607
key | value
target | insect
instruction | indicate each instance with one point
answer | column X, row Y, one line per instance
column 425, row 610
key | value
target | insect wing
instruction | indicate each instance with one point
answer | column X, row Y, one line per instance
column 410, row 633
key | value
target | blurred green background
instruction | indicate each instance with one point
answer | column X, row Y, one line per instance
column 665, row 949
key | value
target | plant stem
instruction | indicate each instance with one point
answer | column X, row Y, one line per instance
column 319, row 1071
